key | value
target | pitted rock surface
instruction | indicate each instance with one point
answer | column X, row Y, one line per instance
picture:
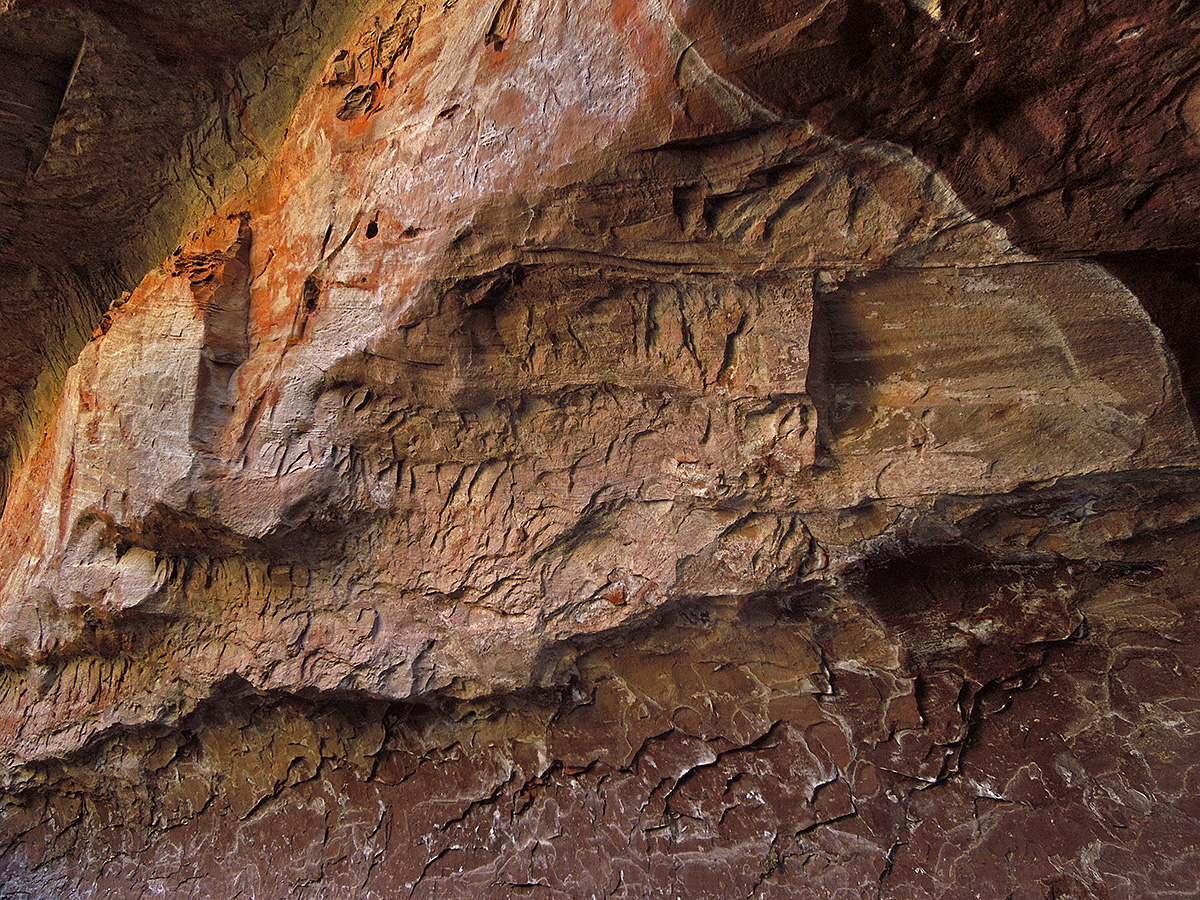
column 608, row 449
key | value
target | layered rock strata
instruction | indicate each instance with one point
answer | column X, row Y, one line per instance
column 576, row 467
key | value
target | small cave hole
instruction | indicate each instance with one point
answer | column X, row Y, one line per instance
column 311, row 293
column 372, row 229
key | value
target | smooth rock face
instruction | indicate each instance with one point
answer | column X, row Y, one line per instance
column 567, row 471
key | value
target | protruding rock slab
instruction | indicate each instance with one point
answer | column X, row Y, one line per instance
column 977, row 379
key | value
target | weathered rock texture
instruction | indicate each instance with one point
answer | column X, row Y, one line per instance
column 621, row 448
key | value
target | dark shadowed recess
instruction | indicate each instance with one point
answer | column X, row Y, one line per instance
column 1075, row 125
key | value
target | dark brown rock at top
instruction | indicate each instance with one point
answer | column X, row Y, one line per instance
column 625, row 449
column 1072, row 125
column 1067, row 123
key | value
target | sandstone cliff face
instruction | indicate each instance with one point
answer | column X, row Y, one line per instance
column 621, row 449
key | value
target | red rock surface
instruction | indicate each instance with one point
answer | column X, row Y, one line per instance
column 631, row 449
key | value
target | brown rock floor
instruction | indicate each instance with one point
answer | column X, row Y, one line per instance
column 1000, row 702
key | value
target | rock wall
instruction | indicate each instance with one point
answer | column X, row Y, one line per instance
column 630, row 449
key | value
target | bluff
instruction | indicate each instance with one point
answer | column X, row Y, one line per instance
column 625, row 448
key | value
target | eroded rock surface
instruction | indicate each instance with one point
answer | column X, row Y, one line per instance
column 1001, row 704
column 580, row 466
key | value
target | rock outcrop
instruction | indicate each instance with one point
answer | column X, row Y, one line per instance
column 621, row 448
